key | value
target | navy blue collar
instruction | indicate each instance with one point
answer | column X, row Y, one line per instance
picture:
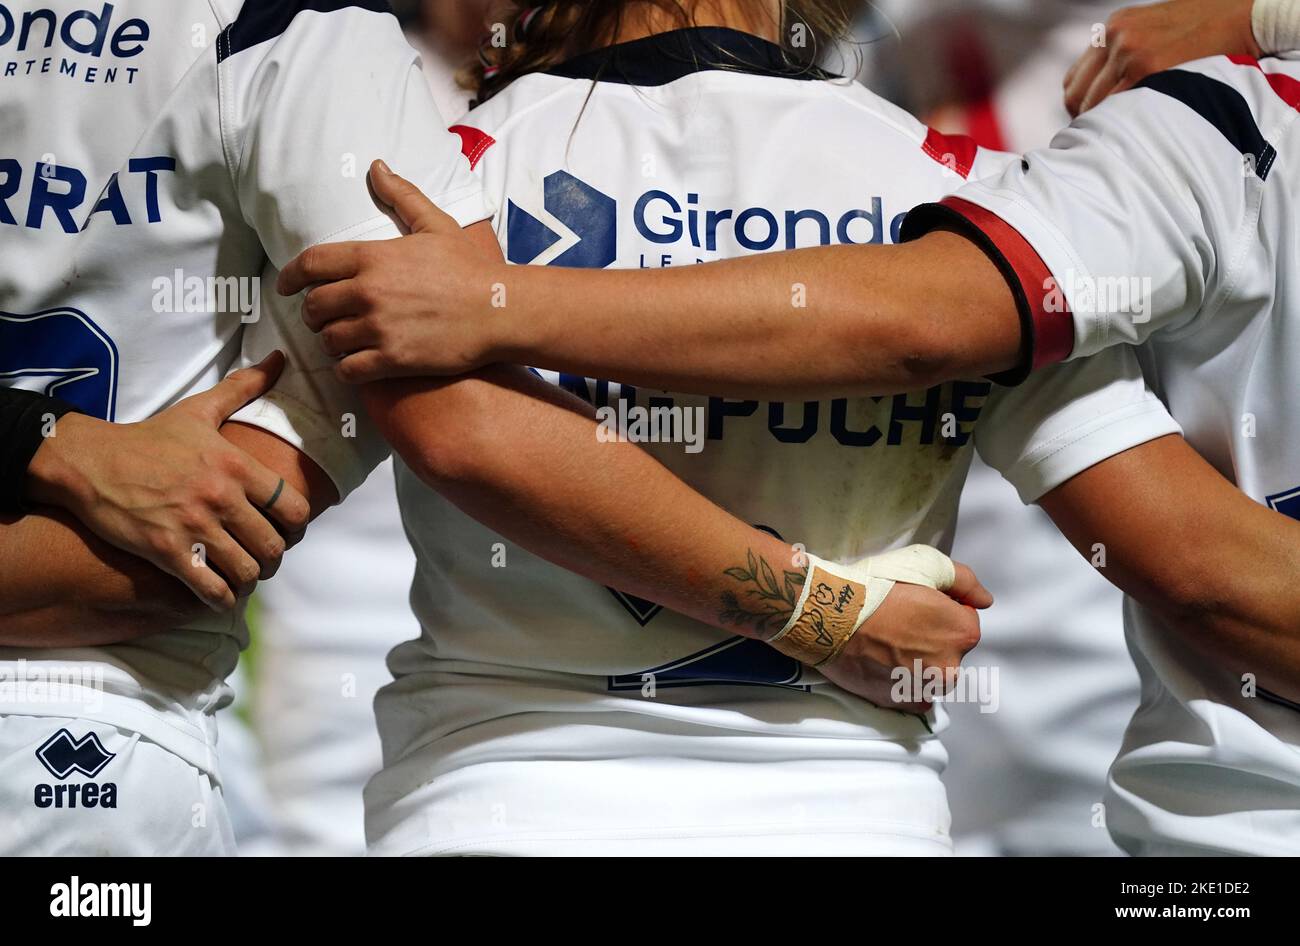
column 666, row 57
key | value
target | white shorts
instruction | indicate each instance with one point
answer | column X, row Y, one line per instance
column 73, row 787
column 657, row 806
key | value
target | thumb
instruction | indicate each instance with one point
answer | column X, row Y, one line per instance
column 418, row 213
column 966, row 588
column 240, row 387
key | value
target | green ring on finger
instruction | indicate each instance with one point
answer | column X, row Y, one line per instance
column 279, row 488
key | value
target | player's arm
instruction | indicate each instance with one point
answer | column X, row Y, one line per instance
column 807, row 324
column 62, row 586
column 524, row 458
column 506, row 453
column 1195, row 550
column 984, row 284
column 171, row 488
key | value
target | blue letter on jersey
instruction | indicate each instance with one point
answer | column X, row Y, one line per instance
column 61, row 353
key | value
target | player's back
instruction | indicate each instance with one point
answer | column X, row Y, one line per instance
column 670, row 159
column 81, row 88
column 1229, row 375
column 163, row 160
column 1166, row 218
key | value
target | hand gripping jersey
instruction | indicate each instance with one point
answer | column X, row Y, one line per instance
column 158, row 162
column 541, row 711
column 1166, row 218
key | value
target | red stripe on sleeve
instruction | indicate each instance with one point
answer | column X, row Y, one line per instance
column 1287, row 88
column 1053, row 330
column 473, row 143
column 953, row 151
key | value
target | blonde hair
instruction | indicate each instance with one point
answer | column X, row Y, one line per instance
column 544, row 33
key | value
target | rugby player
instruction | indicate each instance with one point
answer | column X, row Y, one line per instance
column 1160, row 222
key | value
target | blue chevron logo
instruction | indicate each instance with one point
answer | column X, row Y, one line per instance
column 582, row 231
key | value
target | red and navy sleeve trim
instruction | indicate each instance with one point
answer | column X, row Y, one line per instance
column 1046, row 336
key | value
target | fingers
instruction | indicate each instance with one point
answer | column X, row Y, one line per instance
column 230, row 560
column 1107, row 80
column 327, row 262
column 333, row 301
column 417, row 212
column 348, row 336
column 207, row 585
column 254, row 532
column 962, row 627
column 240, row 388
column 290, row 511
column 184, row 563
column 968, row 590
column 367, row 366
column 1079, row 80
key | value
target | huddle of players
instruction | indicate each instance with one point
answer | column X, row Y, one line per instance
column 520, row 722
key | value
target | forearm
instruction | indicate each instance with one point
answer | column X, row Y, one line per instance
column 811, row 324
column 1195, row 550
column 62, row 587
column 522, row 457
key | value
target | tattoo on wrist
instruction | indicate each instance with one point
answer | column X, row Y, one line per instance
column 766, row 598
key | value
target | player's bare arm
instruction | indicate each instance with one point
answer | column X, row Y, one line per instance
column 157, row 487
column 78, row 590
column 827, row 322
column 855, row 320
column 517, row 474
column 1169, row 530
column 85, row 592
column 507, row 448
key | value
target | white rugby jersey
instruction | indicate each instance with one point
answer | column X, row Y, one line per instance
column 160, row 160
column 683, row 731
column 1166, row 218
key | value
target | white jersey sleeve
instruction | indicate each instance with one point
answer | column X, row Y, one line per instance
column 302, row 116
column 1067, row 418
column 1138, row 217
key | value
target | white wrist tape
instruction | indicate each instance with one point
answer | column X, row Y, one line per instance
column 1277, row 25
column 838, row 599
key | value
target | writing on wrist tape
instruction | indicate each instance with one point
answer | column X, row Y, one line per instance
column 1277, row 25
column 838, row 599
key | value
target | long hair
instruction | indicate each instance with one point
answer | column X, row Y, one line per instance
column 535, row 36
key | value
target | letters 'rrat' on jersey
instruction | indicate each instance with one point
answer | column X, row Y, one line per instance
column 158, row 162
column 1167, row 219
column 541, row 708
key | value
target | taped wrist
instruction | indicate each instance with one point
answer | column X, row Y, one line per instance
column 1277, row 25
column 838, row 599
column 23, row 419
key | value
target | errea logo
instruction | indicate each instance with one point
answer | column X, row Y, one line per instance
column 75, row 899
column 63, row 755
